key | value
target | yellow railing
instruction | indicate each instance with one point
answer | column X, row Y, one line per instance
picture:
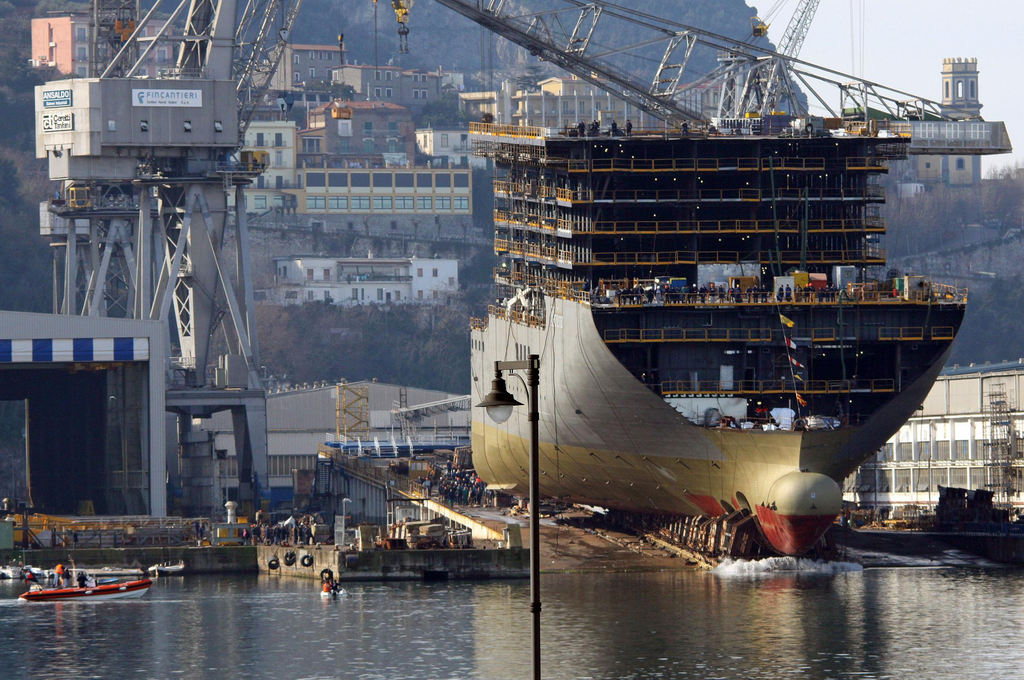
column 519, row 131
column 916, row 333
column 730, row 226
column 704, row 164
column 624, row 335
column 733, row 256
column 626, row 299
column 671, row 387
column 476, row 324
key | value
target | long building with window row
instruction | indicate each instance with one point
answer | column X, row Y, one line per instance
column 967, row 433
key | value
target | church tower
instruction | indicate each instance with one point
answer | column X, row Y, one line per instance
column 960, row 87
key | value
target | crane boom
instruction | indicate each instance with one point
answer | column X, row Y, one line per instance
column 585, row 39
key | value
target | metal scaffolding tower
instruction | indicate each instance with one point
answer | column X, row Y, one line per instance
column 1003, row 479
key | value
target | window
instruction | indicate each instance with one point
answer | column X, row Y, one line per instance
column 423, row 180
column 435, row 295
column 337, row 179
column 433, row 272
column 924, row 450
column 382, row 180
column 296, row 77
column 259, row 202
column 377, row 92
column 312, row 54
column 460, row 203
column 424, row 203
column 394, row 225
column 382, row 203
column 404, row 203
column 327, row 274
column 973, row 95
column 393, row 126
column 259, row 139
column 312, row 73
column 296, row 59
column 81, row 54
column 337, row 202
column 80, row 34
column 462, row 180
column 278, row 139
column 387, row 75
column 419, row 294
column 419, row 272
column 316, row 202
column 443, row 180
column 960, row 163
column 309, row 274
column 368, row 145
column 398, row 295
column 314, row 179
column 392, row 146
column 360, row 202
column 387, row 92
column 443, row 203
column 376, row 75
column 451, row 280
column 961, row 449
column 403, row 180
column 278, row 159
column 360, row 180
column 905, row 452
column 310, row 145
column 415, row 94
column 902, row 481
column 355, row 293
column 444, row 140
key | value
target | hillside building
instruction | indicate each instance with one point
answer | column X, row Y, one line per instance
column 63, row 43
column 411, row 88
column 448, row 146
column 303, row 65
column 363, row 281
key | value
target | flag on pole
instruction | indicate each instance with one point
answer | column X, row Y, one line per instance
column 797, row 377
column 797, row 363
column 786, row 321
column 800, row 400
column 789, row 343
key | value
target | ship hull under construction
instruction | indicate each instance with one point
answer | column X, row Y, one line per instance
column 607, row 440
column 717, row 329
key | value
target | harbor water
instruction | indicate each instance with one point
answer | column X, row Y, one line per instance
column 884, row 623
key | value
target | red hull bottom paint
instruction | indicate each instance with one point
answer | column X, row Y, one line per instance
column 792, row 534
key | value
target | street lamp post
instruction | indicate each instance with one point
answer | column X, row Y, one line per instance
column 499, row 404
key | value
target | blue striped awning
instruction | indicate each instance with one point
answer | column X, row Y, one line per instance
column 42, row 350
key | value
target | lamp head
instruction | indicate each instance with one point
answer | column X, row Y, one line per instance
column 499, row 403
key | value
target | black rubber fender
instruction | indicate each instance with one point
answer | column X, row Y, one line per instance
column 274, row 564
column 326, row 575
column 289, row 559
column 307, row 560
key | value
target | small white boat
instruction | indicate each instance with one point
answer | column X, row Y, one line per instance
column 103, row 572
column 18, row 573
column 168, row 569
column 98, row 592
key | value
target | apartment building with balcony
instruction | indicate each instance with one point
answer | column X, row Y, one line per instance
column 303, row 64
column 359, row 281
column 411, row 88
column 365, row 132
column 448, row 146
column 557, row 103
column 62, row 42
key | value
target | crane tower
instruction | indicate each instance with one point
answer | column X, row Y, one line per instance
column 151, row 187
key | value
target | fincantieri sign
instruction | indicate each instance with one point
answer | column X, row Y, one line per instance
column 178, row 98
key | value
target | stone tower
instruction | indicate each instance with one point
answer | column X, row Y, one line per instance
column 960, row 87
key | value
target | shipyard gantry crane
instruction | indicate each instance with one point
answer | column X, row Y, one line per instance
column 585, row 38
column 146, row 151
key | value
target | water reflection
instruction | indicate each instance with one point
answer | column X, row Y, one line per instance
column 884, row 623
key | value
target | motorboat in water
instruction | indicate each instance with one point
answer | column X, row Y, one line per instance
column 101, row 590
column 168, row 569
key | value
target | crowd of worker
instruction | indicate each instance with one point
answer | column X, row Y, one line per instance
column 456, row 486
column 664, row 294
column 593, row 129
column 293, row 531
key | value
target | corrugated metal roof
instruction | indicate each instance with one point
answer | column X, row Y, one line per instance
column 1017, row 365
column 29, row 325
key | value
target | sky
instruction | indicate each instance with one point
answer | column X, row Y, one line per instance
column 906, row 40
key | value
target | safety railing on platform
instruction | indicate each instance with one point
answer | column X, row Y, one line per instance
column 733, row 257
column 620, row 295
column 614, row 228
column 514, row 131
column 679, row 387
column 631, row 335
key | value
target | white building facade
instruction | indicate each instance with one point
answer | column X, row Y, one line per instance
column 450, row 143
column 361, row 281
column 967, row 434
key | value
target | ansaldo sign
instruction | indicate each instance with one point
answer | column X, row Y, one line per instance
column 54, row 99
column 179, row 98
